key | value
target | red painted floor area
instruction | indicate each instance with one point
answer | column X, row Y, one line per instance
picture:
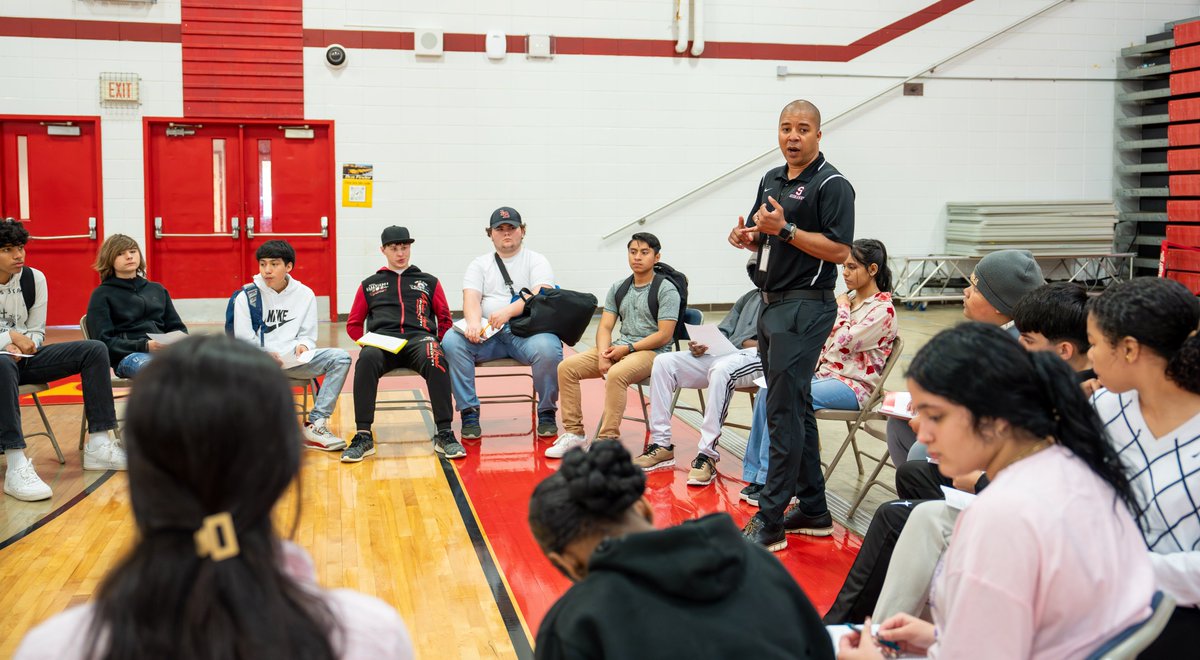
column 500, row 472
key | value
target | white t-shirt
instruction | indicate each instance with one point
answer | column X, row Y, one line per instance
column 526, row 268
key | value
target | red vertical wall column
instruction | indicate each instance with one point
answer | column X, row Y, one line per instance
column 242, row 59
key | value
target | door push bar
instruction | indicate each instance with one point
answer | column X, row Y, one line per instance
column 158, row 232
column 91, row 235
column 324, row 233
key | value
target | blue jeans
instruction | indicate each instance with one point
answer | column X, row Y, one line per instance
column 826, row 393
column 334, row 364
column 131, row 364
column 542, row 352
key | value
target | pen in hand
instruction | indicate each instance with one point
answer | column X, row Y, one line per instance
column 882, row 642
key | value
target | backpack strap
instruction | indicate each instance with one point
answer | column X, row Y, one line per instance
column 254, row 303
column 504, row 273
column 621, row 291
column 654, row 286
column 28, row 288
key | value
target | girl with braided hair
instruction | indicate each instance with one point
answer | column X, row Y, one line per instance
column 697, row 590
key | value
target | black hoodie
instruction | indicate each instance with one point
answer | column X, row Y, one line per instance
column 121, row 312
column 697, row 590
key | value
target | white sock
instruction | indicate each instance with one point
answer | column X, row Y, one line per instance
column 16, row 458
column 97, row 439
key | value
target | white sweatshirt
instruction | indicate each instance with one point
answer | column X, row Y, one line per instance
column 13, row 316
column 289, row 317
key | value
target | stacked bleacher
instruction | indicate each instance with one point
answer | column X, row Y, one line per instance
column 974, row 229
column 1159, row 168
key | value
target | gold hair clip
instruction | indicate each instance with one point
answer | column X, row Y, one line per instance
column 216, row 538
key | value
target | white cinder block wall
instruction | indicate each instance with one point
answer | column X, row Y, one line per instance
column 583, row 144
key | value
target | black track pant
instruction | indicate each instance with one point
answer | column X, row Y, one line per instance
column 423, row 355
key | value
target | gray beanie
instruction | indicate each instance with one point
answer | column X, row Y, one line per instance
column 1005, row 277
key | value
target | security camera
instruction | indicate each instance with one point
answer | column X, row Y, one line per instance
column 335, row 56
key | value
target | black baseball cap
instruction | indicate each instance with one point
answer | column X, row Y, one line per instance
column 505, row 215
column 395, row 234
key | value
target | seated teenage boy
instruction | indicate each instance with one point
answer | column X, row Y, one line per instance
column 288, row 327
column 403, row 302
column 490, row 298
column 721, row 376
column 22, row 331
column 624, row 361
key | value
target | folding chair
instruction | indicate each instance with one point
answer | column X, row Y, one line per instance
column 509, row 364
column 33, row 389
column 857, row 420
column 690, row 315
column 1128, row 643
column 117, row 383
column 418, row 403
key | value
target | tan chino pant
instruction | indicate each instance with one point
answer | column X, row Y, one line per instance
column 631, row 369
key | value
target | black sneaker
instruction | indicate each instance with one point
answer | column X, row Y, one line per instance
column 361, row 446
column 445, row 444
column 758, row 532
column 546, row 426
column 796, row 521
column 750, row 494
column 470, row 424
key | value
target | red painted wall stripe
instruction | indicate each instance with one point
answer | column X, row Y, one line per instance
column 473, row 43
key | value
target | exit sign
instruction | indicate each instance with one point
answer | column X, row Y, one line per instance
column 120, row 88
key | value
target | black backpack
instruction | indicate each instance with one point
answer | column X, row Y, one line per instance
column 28, row 288
column 662, row 271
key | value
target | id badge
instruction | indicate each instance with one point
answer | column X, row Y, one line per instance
column 765, row 256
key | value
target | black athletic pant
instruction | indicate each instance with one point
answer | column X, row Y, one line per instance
column 423, row 355
column 791, row 334
column 920, row 480
column 87, row 358
column 860, row 592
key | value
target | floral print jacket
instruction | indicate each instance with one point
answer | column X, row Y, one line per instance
column 860, row 344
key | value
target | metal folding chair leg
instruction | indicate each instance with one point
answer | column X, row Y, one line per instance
column 49, row 432
column 871, row 482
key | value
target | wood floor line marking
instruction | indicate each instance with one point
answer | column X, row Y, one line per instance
column 59, row 511
column 513, row 621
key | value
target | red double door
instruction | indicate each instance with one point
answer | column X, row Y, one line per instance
column 217, row 190
column 50, row 181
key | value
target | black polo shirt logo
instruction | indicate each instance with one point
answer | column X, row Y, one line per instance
column 798, row 195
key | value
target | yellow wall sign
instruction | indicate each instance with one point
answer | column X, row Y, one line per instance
column 356, row 185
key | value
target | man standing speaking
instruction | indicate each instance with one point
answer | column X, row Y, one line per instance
column 801, row 226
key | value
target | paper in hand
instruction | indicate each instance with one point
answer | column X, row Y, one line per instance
column 708, row 335
column 167, row 338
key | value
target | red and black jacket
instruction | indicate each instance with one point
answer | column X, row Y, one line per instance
column 399, row 305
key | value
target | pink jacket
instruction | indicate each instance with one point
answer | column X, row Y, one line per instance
column 372, row 630
column 859, row 344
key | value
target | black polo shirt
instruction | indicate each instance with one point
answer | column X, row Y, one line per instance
column 826, row 206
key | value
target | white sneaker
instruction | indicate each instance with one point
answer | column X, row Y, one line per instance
column 565, row 442
column 320, row 437
column 102, row 455
column 24, row 484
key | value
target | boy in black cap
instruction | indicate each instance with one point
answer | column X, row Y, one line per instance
column 400, row 301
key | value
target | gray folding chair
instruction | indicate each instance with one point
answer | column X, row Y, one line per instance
column 117, row 384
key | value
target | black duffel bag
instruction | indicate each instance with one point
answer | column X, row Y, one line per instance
column 559, row 311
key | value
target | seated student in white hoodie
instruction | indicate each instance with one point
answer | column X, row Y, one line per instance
column 288, row 326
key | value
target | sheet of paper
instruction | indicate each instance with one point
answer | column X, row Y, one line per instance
column 957, row 499
column 897, row 404
column 167, row 338
column 290, row 359
column 382, row 342
column 487, row 332
column 14, row 353
column 708, row 335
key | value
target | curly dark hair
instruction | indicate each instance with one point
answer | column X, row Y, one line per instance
column 13, row 233
column 590, row 492
column 1161, row 315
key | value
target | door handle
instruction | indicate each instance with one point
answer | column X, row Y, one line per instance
column 324, row 233
column 158, row 232
column 250, row 226
column 91, row 235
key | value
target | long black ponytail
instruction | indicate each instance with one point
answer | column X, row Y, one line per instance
column 867, row 251
column 980, row 367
